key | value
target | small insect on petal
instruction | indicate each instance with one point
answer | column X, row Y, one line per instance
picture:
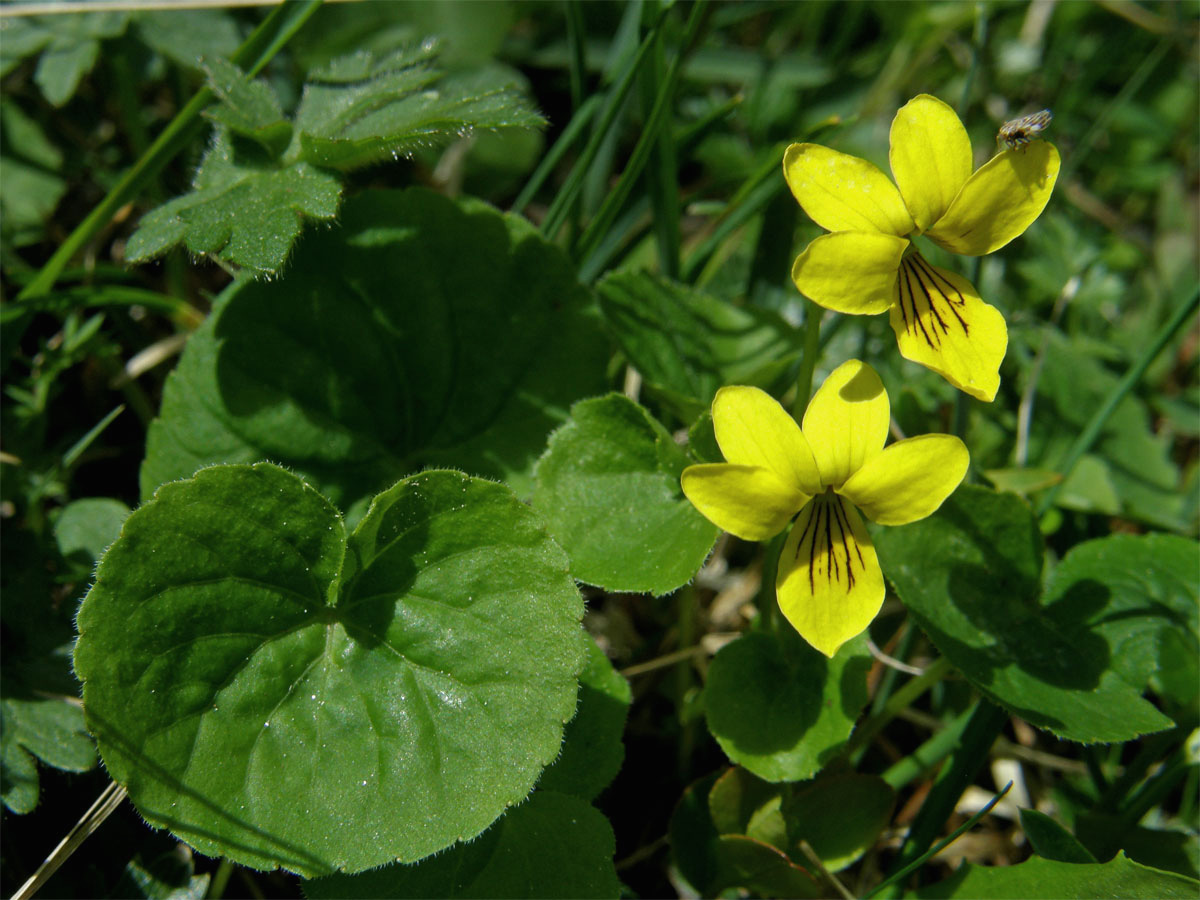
column 1019, row 132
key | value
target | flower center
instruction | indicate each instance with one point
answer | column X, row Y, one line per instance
column 930, row 304
column 827, row 539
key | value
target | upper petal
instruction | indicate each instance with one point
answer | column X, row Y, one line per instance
column 909, row 479
column 752, row 429
column 829, row 583
column 743, row 500
column 941, row 323
column 844, row 193
column 846, row 421
column 999, row 201
column 850, row 271
column 930, row 156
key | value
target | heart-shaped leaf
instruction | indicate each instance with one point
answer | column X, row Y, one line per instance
column 970, row 574
column 609, row 488
column 282, row 693
column 419, row 332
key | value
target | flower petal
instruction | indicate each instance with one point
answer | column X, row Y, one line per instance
column 909, row 479
column 999, row 201
column 841, row 192
column 850, row 272
column 847, row 420
column 941, row 323
column 752, row 429
column 743, row 500
column 829, row 583
column 930, row 157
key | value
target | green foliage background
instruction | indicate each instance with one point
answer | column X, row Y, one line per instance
column 452, row 235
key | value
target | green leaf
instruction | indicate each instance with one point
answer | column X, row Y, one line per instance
column 69, row 45
column 187, row 36
column 244, row 208
column 1103, row 834
column 609, row 489
column 50, row 730
column 592, row 750
column 248, row 108
column 751, row 864
column 553, row 845
column 693, row 835
column 970, row 576
column 1131, row 470
column 248, row 203
column 741, row 803
column 419, row 332
column 687, row 344
column 780, row 708
column 30, row 186
column 39, row 715
column 1051, row 841
column 169, row 876
column 713, row 862
column 85, row 529
column 1140, row 594
column 840, row 816
column 283, row 694
column 1044, row 878
column 362, row 110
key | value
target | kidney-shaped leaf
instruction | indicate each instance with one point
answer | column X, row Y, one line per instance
column 609, row 488
column 970, row 575
column 420, row 332
column 280, row 693
column 554, row 845
column 780, row 708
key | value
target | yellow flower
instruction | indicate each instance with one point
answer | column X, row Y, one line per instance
column 829, row 583
column 868, row 264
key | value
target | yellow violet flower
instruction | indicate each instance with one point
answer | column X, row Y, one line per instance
column 829, row 584
column 868, row 263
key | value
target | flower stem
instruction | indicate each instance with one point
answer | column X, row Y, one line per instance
column 812, row 342
column 1091, row 432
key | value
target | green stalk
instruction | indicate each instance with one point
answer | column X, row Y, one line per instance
column 574, row 128
column 977, row 739
column 661, row 178
column 894, row 880
column 808, row 362
column 576, row 67
column 897, row 703
column 559, row 209
column 773, row 250
column 594, row 232
column 1091, row 432
column 630, row 226
column 888, row 680
column 1152, row 749
column 929, row 754
column 267, row 40
column 754, row 193
column 1099, row 125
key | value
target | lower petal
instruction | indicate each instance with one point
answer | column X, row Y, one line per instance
column 829, row 582
column 746, row 501
column 850, row 271
column 943, row 324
